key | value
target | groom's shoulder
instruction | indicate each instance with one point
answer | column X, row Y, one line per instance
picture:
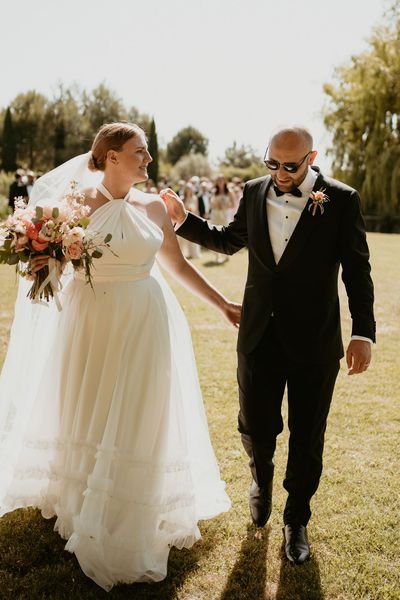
column 256, row 183
column 337, row 185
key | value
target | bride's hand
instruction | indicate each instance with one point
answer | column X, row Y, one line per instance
column 232, row 312
column 40, row 261
column 37, row 263
column 175, row 207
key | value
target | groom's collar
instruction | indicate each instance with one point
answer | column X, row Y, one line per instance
column 309, row 181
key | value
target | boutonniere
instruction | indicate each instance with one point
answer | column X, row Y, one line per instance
column 318, row 200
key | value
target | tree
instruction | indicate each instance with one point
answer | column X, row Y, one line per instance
column 32, row 123
column 192, row 164
column 153, row 149
column 59, row 143
column 67, row 124
column 187, row 141
column 9, row 144
column 141, row 119
column 101, row 106
column 240, row 157
column 49, row 131
column 363, row 116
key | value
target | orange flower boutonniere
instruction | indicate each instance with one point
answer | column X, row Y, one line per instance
column 318, row 200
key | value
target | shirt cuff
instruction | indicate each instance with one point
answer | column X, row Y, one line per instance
column 360, row 337
column 176, row 226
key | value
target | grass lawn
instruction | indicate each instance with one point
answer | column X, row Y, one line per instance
column 353, row 532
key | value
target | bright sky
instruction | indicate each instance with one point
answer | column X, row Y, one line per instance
column 235, row 69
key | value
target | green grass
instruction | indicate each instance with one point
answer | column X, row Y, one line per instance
column 354, row 527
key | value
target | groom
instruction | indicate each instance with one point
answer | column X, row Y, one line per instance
column 299, row 227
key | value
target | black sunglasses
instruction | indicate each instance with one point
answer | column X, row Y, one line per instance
column 290, row 167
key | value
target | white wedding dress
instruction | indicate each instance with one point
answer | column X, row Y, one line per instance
column 109, row 434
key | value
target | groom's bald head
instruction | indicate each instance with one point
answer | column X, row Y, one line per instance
column 290, row 146
column 294, row 137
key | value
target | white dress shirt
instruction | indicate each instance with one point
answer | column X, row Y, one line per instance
column 284, row 212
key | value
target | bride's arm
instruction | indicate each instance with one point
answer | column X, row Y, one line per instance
column 173, row 261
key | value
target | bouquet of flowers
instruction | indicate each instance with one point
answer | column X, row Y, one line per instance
column 59, row 232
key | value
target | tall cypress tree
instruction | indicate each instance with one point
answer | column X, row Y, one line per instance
column 9, row 144
column 59, row 143
column 153, row 149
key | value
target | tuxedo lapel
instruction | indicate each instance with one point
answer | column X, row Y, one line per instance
column 302, row 231
column 262, row 218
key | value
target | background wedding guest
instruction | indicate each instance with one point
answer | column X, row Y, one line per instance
column 236, row 189
column 17, row 188
column 221, row 207
column 189, row 249
column 204, row 198
column 30, row 176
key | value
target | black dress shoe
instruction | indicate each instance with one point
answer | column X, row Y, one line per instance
column 297, row 548
column 260, row 501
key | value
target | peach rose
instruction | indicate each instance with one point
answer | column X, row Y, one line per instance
column 74, row 251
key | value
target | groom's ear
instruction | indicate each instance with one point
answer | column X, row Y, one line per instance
column 312, row 157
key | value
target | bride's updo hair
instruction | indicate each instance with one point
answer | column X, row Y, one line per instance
column 111, row 136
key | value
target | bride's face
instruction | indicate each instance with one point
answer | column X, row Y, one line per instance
column 133, row 158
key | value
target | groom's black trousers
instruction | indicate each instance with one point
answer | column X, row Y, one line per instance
column 262, row 377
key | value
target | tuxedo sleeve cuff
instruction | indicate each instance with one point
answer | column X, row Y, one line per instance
column 361, row 337
column 178, row 225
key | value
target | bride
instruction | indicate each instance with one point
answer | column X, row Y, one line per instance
column 101, row 417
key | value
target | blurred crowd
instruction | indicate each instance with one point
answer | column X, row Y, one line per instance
column 216, row 200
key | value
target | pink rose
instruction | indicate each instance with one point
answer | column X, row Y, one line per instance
column 39, row 246
column 319, row 196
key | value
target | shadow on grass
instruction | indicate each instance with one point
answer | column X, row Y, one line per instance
column 248, row 577
column 213, row 263
column 299, row 582
column 34, row 564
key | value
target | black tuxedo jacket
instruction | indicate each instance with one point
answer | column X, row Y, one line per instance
column 301, row 290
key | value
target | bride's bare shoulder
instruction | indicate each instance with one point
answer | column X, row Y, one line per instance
column 151, row 205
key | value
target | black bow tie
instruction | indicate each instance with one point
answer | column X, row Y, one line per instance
column 294, row 191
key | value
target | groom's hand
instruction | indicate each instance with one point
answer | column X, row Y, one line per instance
column 358, row 356
column 232, row 312
column 175, row 207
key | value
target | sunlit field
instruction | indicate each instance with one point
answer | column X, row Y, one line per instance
column 353, row 532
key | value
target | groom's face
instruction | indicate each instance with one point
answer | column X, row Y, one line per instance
column 289, row 149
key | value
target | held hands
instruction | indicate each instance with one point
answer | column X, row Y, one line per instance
column 358, row 356
column 232, row 312
column 175, row 207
